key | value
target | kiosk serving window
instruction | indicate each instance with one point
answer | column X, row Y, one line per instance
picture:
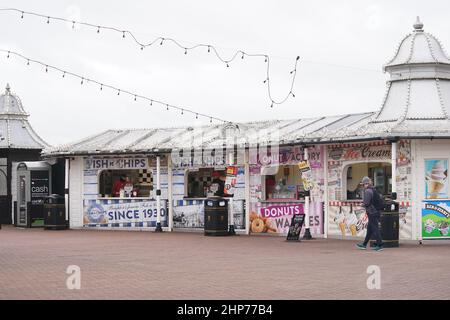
column 205, row 182
column 379, row 172
column 282, row 182
column 125, row 183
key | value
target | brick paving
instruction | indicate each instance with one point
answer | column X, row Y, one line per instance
column 146, row 265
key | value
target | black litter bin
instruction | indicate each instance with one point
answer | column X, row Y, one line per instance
column 54, row 213
column 216, row 217
column 389, row 225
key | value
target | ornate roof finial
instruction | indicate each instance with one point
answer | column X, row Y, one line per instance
column 8, row 89
column 418, row 26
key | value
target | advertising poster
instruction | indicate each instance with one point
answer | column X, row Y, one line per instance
column 306, row 173
column 348, row 221
column 191, row 216
column 123, row 212
column 40, row 187
column 276, row 218
column 435, row 219
column 436, row 182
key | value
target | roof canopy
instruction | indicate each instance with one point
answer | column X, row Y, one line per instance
column 416, row 105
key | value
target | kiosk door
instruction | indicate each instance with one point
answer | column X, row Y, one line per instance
column 23, row 198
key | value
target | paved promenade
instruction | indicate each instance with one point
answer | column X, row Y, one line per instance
column 144, row 265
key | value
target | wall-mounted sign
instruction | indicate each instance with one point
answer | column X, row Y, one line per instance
column 436, row 179
column 360, row 152
column 435, row 219
column 123, row 211
column 116, row 163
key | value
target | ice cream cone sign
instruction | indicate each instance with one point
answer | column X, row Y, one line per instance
column 436, row 178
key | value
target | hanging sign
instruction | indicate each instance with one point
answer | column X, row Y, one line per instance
column 306, row 172
column 230, row 180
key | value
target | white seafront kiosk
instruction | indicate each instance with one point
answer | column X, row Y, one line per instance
column 404, row 147
column 407, row 139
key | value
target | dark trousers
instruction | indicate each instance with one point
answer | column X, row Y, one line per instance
column 372, row 229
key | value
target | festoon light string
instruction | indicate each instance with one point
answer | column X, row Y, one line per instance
column 161, row 40
column 103, row 85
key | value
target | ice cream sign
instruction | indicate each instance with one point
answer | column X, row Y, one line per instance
column 436, row 179
column 435, row 219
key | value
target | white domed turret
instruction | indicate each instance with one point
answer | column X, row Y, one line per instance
column 419, row 85
column 418, row 54
column 15, row 130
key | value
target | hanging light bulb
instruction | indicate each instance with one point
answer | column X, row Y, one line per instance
column 266, row 80
column 210, row 120
column 101, row 86
column 73, row 24
column 162, row 40
column 48, row 19
column 135, row 98
column 196, row 116
column 242, row 56
column 82, row 80
column 28, row 62
column 265, row 60
column 64, row 74
column 21, row 15
column 228, row 65
column 185, row 50
column 209, row 49
column 123, row 34
column 118, row 92
column 46, row 68
column 182, row 111
column 271, row 105
column 151, row 102
column 142, row 47
column 7, row 55
column 293, row 94
column 167, row 107
column 98, row 29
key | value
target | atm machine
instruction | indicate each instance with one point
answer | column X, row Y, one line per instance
column 33, row 187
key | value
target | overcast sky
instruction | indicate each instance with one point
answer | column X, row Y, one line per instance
column 342, row 46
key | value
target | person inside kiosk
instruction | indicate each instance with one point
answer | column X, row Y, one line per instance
column 124, row 184
column 379, row 172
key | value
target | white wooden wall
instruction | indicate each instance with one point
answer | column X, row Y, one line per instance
column 425, row 149
column 75, row 192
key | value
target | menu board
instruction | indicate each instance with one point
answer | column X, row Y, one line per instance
column 296, row 227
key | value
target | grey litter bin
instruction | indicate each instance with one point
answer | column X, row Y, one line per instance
column 216, row 217
column 389, row 225
column 55, row 213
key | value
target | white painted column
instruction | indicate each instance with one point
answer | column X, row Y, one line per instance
column 169, row 190
column 158, row 194
column 325, row 194
column 230, row 202
column 247, row 193
column 307, row 234
column 394, row 167
column 66, row 188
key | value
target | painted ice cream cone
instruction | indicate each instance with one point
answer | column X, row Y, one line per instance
column 436, row 179
column 353, row 229
column 342, row 227
column 434, row 188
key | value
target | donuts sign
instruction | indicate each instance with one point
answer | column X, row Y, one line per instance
column 280, row 211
